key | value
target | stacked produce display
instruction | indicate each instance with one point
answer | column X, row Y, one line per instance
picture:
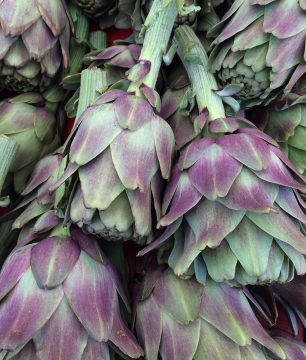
column 152, row 179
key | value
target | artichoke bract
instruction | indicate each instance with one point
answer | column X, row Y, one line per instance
column 60, row 300
column 231, row 200
column 34, row 37
column 30, row 120
column 261, row 46
column 288, row 127
column 184, row 320
column 121, row 149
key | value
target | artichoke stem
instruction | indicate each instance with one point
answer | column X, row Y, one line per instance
column 195, row 60
column 8, row 151
column 158, row 28
column 93, row 83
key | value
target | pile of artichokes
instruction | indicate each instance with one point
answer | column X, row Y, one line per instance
column 152, row 179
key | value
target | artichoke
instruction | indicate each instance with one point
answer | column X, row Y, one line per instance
column 110, row 12
column 184, row 320
column 121, row 141
column 60, row 300
column 231, row 200
column 260, row 45
column 29, row 120
column 35, row 39
column 288, row 127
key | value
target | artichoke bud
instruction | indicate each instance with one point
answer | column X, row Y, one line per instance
column 36, row 48
column 31, row 121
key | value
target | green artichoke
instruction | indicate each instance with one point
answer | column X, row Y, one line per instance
column 34, row 37
column 29, row 120
column 288, row 127
column 260, row 45
column 184, row 320
column 110, row 12
column 232, row 199
column 60, row 300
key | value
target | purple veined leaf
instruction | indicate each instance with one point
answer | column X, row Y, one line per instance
column 245, row 15
column 214, row 174
column 178, row 341
column 52, row 260
column 179, row 298
column 248, row 192
column 278, row 172
column 191, row 251
column 109, row 96
column 78, row 212
column 54, row 14
column 43, row 170
column 139, row 70
column 95, row 349
column 134, row 157
column 141, row 207
column 164, row 143
column 27, row 309
column 252, row 351
column 110, row 52
column 290, row 19
column 229, row 125
column 259, row 134
column 202, row 220
column 169, row 231
column 100, row 194
column 251, row 37
column 132, row 112
column 157, row 189
column 282, row 227
column 95, row 134
column 193, row 152
column 16, row 19
column 69, row 171
column 169, row 103
column 87, row 244
column 287, row 200
column 238, row 322
column 13, row 269
column 250, row 151
column 186, row 196
column 46, row 221
column 122, row 337
column 38, row 39
column 283, row 54
column 152, row 96
column 149, row 327
column 31, row 212
column 91, row 294
column 63, row 337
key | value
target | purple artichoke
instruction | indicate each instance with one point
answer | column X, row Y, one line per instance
column 288, row 127
column 60, row 300
column 231, row 201
column 29, row 120
column 260, row 45
column 124, row 144
column 35, row 36
column 184, row 320
column 121, row 149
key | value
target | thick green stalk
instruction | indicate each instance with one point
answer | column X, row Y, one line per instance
column 195, row 61
column 158, row 27
column 93, row 84
column 8, row 151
